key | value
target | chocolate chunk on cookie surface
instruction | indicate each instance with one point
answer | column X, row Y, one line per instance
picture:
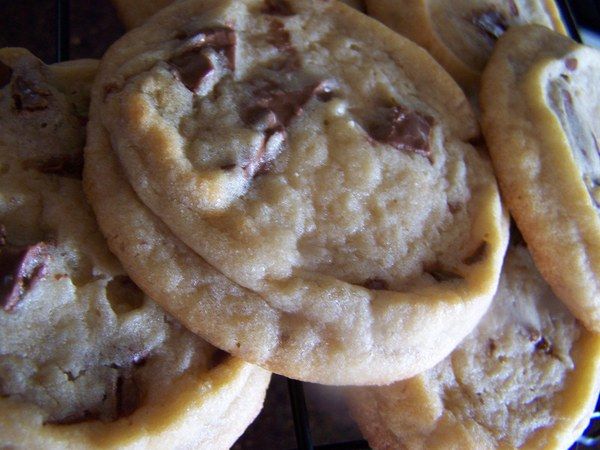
column 328, row 155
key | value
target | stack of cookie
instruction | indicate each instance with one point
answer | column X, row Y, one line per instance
column 307, row 190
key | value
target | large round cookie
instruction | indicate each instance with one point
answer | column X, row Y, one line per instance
column 541, row 116
column 527, row 377
column 460, row 34
column 86, row 359
column 341, row 228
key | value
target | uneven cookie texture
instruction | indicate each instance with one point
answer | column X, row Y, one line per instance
column 86, row 359
column 527, row 377
column 317, row 168
column 461, row 34
column 541, row 110
column 133, row 13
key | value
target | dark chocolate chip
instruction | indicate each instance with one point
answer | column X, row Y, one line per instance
column 271, row 111
column 70, row 166
column 478, row 255
column 192, row 67
column 278, row 8
column 405, row 130
column 5, row 74
column 21, row 267
column 376, row 284
column 29, row 95
column 490, row 22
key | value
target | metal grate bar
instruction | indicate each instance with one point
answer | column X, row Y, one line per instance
column 63, row 31
column 300, row 415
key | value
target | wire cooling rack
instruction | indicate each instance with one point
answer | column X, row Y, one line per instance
column 297, row 400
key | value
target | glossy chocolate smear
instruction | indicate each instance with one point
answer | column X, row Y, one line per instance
column 21, row 267
column 194, row 65
column 70, row 166
column 278, row 8
column 491, row 23
column 272, row 109
column 405, row 130
column 5, row 74
column 29, row 95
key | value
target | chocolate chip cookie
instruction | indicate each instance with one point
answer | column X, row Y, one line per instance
column 135, row 12
column 460, row 34
column 86, row 359
column 541, row 109
column 527, row 377
column 304, row 177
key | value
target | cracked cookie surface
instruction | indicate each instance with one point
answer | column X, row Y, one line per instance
column 526, row 377
column 541, row 104
column 323, row 179
column 461, row 34
column 85, row 357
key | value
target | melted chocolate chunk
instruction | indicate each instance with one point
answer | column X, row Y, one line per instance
column 477, row 255
column 277, row 8
column 194, row 65
column 21, row 267
column 491, row 23
column 405, row 130
column 29, row 95
column 70, row 166
column 376, row 284
column 5, row 74
column 272, row 110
